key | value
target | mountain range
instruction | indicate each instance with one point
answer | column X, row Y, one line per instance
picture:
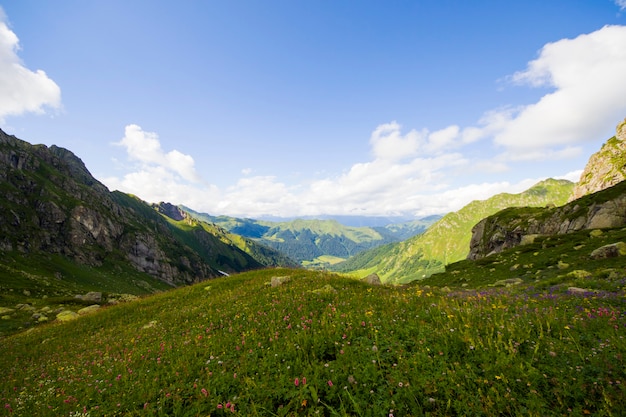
column 64, row 234
column 316, row 242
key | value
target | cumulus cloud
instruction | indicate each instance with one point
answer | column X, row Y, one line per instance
column 145, row 147
column 586, row 76
column 388, row 143
column 22, row 90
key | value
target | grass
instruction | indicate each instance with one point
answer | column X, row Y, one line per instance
column 321, row 344
column 50, row 283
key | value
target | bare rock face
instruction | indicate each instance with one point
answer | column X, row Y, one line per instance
column 510, row 227
column 372, row 279
column 171, row 211
column 606, row 167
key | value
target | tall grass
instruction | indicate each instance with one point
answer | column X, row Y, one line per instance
column 237, row 346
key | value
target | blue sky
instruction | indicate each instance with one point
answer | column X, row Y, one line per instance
column 293, row 108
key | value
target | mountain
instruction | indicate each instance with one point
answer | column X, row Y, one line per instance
column 606, row 167
column 315, row 242
column 55, row 215
column 516, row 226
column 448, row 239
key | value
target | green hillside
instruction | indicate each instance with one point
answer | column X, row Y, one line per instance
column 448, row 239
column 320, row 344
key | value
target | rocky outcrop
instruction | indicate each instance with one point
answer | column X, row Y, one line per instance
column 372, row 279
column 510, row 227
column 171, row 211
column 606, row 167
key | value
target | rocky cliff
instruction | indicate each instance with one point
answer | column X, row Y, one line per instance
column 606, row 167
column 52, row 205
column 515, row 226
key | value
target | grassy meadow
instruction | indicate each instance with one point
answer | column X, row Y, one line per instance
column 321, row 344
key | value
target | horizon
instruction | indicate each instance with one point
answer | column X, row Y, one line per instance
column 290, row 110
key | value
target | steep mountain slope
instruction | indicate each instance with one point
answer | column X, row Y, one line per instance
column 606, row 167
column 52, row 206
column 316, row 242
column 448, row 239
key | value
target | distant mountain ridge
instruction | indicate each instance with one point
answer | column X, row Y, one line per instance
column 448, row 239
column 315, row 242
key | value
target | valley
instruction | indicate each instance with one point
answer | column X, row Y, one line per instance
column 113, row 306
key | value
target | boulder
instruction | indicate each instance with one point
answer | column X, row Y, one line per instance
column 578, row 274
column 94, row 297
column 89, row 309
column 276, row 281
column 578, row 291
column 612, row 250
column 372, row 279
column 67, row 315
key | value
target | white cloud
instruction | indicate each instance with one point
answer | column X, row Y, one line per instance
column 587, row 77
column 389, row 144
column 443, row 139
column 145, row 147
column 573, row 176
column 621, row 4
column 537, row 155
column 22, row 90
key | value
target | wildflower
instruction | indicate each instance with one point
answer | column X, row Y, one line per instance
column 303, row 380
column 219, row 406
column 204, row 392
column 330, row 383
column 296, row 382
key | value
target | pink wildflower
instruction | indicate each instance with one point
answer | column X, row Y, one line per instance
column 205, row 392
column 330, row 383
column 296, row 382
column 304, row 380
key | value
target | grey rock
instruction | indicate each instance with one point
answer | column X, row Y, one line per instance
column 372, row 279
column 93, row 296
column 276, row 281
column 612, row 250
column 89, row 309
